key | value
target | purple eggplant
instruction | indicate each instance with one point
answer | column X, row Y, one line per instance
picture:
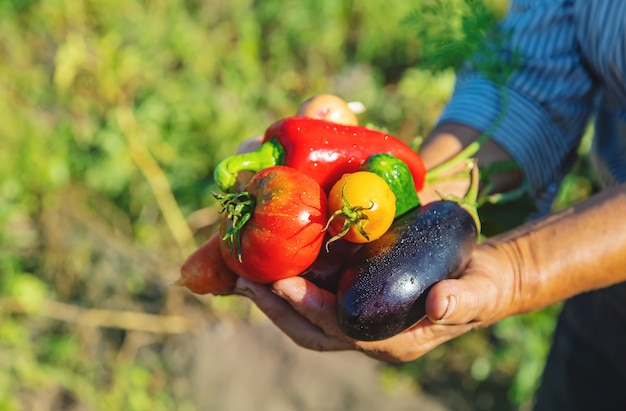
column 382, row 290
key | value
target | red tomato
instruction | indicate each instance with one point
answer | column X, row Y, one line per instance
column 283, row 232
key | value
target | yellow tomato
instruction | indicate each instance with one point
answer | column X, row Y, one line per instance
column 362, row 207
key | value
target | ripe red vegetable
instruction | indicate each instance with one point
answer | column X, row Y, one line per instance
column 274, row 229
column 321, row 149
column 205, row 272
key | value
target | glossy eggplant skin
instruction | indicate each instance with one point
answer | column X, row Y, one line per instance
column 382, row 291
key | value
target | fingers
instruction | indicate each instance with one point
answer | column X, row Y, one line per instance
column 451, row 186
column 319, row 307
column 460, row 301
column 298, row 309
column 314, row 303
column 307, row 315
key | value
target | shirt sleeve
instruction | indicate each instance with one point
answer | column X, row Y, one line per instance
column 548, row 97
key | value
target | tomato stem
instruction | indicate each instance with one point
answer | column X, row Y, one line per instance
column 269, row 154
column 353, row 217
column 238, row 208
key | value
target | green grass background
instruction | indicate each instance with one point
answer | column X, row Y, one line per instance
column 112, row 117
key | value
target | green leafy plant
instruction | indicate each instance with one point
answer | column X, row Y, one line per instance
column 113, row 116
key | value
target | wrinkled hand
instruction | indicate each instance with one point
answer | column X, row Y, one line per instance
column 307, row 314
column 487, row 291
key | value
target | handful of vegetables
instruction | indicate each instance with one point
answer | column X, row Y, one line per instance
column 336, row 203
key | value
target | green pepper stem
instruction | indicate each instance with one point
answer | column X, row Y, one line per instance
column 269, row 154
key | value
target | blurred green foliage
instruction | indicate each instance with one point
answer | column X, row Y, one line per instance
column 112, row 117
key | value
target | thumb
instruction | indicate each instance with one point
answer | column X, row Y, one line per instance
column 460, row 301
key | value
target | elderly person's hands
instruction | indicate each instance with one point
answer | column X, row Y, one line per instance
column 307, row 314
column 537, row 264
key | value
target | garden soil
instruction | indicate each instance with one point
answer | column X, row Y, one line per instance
column 253, row 366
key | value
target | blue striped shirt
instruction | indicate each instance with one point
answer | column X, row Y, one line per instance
column 572, row 69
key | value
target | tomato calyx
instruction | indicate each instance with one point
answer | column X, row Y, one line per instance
column 353, row 216
column 238, row 208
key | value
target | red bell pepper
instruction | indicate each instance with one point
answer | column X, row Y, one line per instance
column 319, row 148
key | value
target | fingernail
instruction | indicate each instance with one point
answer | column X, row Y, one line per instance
column 279, row 293
column 450, row 308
